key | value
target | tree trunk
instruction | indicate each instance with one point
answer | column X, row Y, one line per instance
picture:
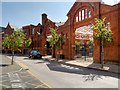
column 100, row 51
column 53, row 52
column 12, row 57
column 6, row 52
column 101, row 54
column 58, row 55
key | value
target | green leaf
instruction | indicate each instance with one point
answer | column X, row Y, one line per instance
column 101, row 32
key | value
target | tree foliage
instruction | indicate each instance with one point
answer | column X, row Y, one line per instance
column 15, row 41
column 57, row 39
column 102, row 32
column 6, row 41
column 28, row 42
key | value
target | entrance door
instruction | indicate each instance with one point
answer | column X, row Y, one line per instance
column 48, row 48
column 25, row 51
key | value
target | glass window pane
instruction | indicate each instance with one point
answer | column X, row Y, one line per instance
column 79, row 15
column 108, row 25
column 89, row 14
column 86, row 13
column 33, row 31
column 82, row 14
column 76, row 18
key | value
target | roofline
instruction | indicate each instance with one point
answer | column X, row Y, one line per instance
column 71, row 8
column 2, row 27
column 101, row 4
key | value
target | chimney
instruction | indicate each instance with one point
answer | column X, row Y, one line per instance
column 44, row 18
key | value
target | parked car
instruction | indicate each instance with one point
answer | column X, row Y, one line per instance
column 35, row 54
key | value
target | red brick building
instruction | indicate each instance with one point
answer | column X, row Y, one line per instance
column 81, row 15
column 2, row 29
column 33, row 32
column 8, row 30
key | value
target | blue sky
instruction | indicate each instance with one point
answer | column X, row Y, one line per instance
column 25, row 13
column 20, row 14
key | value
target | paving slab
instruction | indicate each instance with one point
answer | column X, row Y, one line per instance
column 87, row 64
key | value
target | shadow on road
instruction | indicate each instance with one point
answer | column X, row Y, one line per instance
column 88, row 74
column 27, row 58
column 4, row 65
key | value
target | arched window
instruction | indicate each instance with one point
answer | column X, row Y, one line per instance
column 83, row 14
column 77, row 18
column 33, row 31
column 89, row 14
column 86, row 15
column 79, row 15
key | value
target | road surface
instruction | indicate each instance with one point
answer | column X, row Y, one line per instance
column 58, row 75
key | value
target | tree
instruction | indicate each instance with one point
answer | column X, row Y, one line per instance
column 6, row 42
column 102, row 33
column 28, row 43
column 56, row 40
column 14, row 41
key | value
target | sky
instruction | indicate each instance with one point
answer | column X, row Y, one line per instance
column 26, row 13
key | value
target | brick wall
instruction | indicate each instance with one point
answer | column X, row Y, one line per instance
column 98, row 10
column 111, row 50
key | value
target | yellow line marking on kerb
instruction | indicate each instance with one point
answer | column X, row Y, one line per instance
column 41, row 80
column 22, row 65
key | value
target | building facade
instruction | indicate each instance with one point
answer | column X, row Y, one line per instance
column 2, row 29
column 83, row 14
column 33, row 32
column 80, row 18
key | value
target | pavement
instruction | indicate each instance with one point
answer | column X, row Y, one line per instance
column 88, row 63
column 13, row 76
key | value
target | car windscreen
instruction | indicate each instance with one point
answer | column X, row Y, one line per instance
column 34, row 52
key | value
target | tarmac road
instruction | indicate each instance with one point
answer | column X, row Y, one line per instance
column 58, row 75
column 13, row 76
